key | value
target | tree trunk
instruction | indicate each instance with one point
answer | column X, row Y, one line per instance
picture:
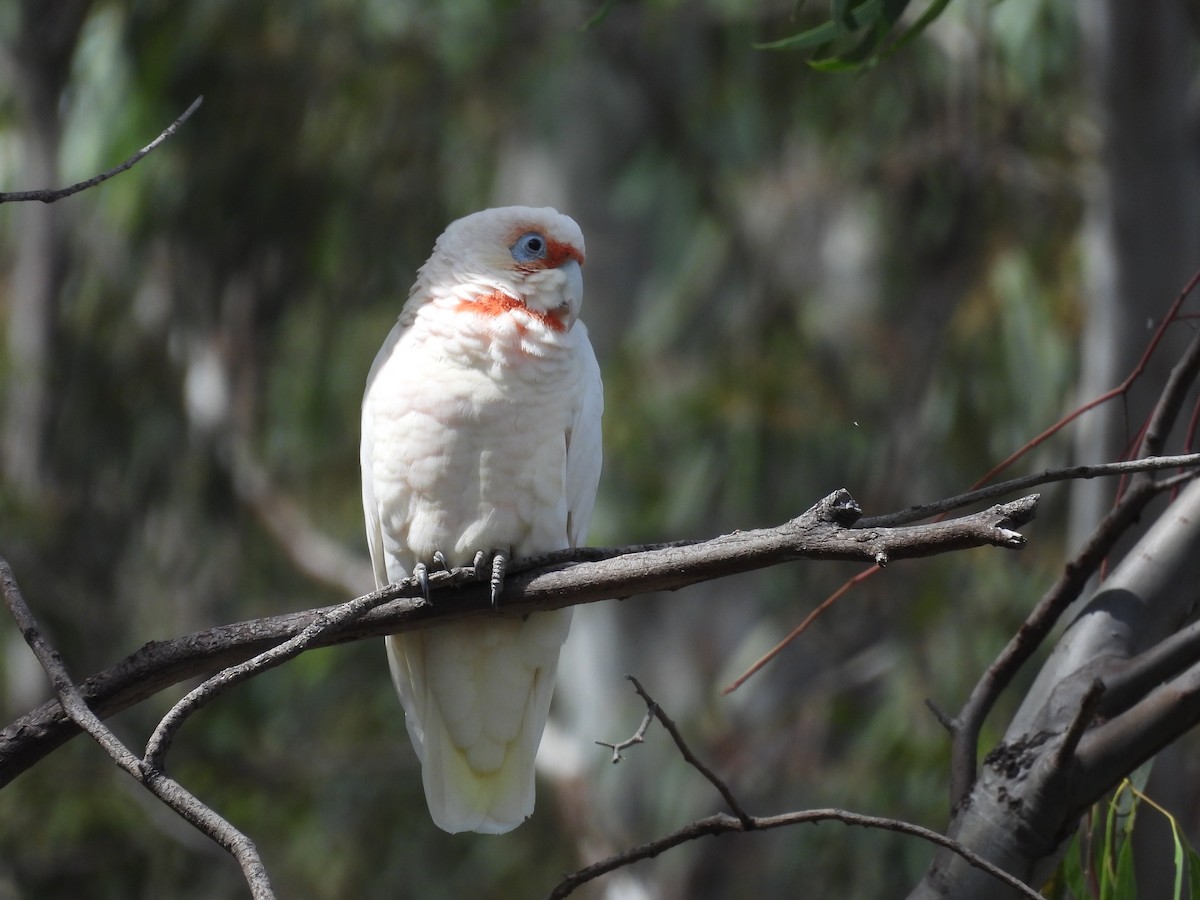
column 39, row 58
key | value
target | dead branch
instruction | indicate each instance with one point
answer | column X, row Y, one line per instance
column 50, row 195
column 170, row 792
column 164, row 733
column 723, row 823
column 741, row 821
column 549, row 581
column 1025, row 482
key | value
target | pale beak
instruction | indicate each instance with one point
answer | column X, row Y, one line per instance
column 571, row 292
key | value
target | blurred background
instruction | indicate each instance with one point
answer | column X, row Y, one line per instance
column 796, row 281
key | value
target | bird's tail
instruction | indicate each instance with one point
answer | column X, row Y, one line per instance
column 476, row 697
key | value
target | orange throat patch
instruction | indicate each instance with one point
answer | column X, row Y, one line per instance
column 498, row 304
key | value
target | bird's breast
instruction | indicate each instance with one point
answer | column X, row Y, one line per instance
column 470, row 450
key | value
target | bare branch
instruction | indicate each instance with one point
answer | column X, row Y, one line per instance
column 685, row 751
column 560, row 579
column 742, row 821
column 48, row 195
column 638, row 737
column 1170, row 401
column 1025, row 482
column 170, row 792
column 722, row 823
column 160, row 740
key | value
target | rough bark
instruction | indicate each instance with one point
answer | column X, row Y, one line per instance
column 1121, row 684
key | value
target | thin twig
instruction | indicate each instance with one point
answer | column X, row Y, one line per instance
column 721, row 823
column 685, row 751
column 170, row 792
column 49, row 195
column 817, row 611
column 1025, row 482
column 742, row 821
column 1170, row 402
column 1120, row 390
column 638, row 737
column 943, row 718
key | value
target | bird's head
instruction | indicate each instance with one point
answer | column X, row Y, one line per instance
column 515, row 256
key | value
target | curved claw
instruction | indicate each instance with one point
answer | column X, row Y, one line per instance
column 439, row 559
column 421, row 573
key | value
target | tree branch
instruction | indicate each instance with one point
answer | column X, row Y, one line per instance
column 1034, row 630
column 723, row 823
column 1025, row 482
column 741, row 821
column 692, row 760
column 1134, row 678
column 549, row 581
column 170, row 792
column 160, row 740
column 48, row 195
column 1110, row 750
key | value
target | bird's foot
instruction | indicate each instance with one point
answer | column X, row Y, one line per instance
column 494, row 573
column 421, row 573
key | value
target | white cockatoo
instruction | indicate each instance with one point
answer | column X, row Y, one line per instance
column 481, row 432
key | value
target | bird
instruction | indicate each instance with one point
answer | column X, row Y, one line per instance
column 481, row 441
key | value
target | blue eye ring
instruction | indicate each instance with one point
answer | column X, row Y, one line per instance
column 529, row 247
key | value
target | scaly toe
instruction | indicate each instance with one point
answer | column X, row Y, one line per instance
column 499, row 567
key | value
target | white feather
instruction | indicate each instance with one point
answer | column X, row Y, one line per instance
column 481, row 432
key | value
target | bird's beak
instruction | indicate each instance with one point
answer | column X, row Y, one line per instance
column 572, row 292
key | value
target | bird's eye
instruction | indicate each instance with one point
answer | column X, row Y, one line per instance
column 529, row 246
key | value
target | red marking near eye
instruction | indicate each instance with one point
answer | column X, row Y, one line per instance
column 557, row 253
column 497, row 304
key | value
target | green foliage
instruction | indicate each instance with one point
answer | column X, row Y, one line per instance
column 859, row 36
column 1099, row 860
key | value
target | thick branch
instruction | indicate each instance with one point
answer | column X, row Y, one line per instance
column 550, row 581
column 1056, row 759
column 1109, row 751
column 1132, row 680
column 1033, row 631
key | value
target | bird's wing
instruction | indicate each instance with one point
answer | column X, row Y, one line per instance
column 584, row 447
column 375, row 544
